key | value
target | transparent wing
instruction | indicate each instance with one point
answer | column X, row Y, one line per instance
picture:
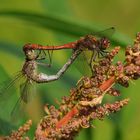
column 8, row 95
column 82, row 63
column 17, row 111
column 105, row 33
column 5, row 87
column 27, row 90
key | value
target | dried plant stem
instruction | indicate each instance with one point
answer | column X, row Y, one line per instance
column 74, row 111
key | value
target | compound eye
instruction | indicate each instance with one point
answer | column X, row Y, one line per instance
column 105, row 43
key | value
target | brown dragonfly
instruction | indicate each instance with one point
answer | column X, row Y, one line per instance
column 95, row 43
column 29, row 71
column 28, row 76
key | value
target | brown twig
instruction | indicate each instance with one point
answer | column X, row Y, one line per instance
column 107, row 84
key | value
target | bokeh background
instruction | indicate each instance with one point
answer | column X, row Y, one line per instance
column 55, row 22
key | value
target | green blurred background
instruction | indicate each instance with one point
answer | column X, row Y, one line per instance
column 57, row 22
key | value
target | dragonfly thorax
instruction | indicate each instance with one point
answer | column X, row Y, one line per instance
column 88, row 42
column 30, row 69
column 93, row 43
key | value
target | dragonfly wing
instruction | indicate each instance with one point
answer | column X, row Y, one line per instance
column 5, row 87
column 8, row 95
column 82, row 63
column 17, row 111
column 27, row 89
column 105, row 33
column 26, row 92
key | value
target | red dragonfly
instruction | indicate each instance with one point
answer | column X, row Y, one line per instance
column 29, row 72
column 96, row 45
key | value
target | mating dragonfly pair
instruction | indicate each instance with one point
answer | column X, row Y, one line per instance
column 33, row 52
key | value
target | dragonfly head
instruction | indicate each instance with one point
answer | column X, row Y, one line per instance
column 30, row 54
column 104, row 43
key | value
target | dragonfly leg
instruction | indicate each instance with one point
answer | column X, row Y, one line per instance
column 93, row 58
column 102, row 54
column 50, row 57
column 43, row 64
column 42, row 57
column 43, row 78
column 104, row 51
column 90, row 63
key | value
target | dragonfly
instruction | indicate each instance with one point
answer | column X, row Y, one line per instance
column 31, row 75
column 30, row 72
column 95, row 43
